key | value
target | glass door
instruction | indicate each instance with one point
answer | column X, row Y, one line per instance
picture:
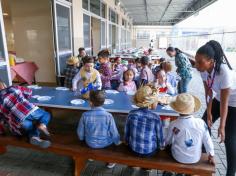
column 4, row 62
column 62, row 33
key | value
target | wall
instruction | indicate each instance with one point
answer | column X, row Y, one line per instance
column 32, row 26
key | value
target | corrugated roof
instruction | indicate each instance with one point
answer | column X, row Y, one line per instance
column 162, row 12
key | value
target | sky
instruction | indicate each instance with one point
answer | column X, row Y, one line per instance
column 220, row 14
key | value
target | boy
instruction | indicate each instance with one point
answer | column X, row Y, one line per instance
column 187, row 134
column 81, row 55
column 146, row 75
column 70, row 71
column 21, row 115
column 97, row 127
column 87, row 75
column 143, row 130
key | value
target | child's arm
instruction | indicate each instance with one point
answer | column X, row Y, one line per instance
column 75, row 80
column 98, row 81
column 80, row 129
column 113, row 131
column 208, row 144
column 27, row 93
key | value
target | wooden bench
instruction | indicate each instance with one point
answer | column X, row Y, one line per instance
column 68, row 144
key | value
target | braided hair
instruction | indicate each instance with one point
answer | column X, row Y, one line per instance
column 213, row 50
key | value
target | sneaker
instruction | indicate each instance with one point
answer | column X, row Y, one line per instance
column 111, row 165
column 39, row 142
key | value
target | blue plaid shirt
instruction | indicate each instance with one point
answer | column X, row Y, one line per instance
column 143, row 131
column 97, row 127
column 70, row 71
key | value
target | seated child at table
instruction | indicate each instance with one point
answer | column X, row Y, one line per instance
column 128, row 84
column 143, row 129
column 187, row 134
column 87, row 74
column 21, row 116
column 96, row 126
column 163, row 84
column 105, row 69
column 171, row 76
column 70, row 71
column 146, row 75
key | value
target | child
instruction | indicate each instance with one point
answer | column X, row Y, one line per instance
column 143, row 130
column 162, row 83
column 97, row 127
column 105, row 69
column 128, row 84
column 87, row 75
column 171, row 76
column 187, row 134
column 22, row 116
column 82, row 54
column 117, row 65
column 70, row 71
column 146, row 75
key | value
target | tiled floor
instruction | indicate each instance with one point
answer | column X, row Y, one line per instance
column 25, row 162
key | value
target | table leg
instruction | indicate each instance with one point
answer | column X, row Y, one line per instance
column 3, row 149
column 79, row 165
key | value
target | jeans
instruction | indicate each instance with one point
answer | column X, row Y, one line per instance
column 37, row 117
column 183, row 85
column 230, row 134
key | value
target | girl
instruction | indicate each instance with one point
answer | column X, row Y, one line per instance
column 105, row 69
column 162, row 83
column 184, row 68
column 128, row 84
column 218, row 77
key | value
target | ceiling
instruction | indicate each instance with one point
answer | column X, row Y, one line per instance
column 162, row 12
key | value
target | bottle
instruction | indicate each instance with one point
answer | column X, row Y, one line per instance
column 12, row 60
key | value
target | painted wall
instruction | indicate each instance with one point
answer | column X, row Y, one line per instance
column 32, row 26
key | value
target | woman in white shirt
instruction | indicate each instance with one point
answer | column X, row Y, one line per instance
column 219, row 79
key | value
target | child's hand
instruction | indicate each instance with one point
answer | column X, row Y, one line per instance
column 83, row 78
column 211, row 160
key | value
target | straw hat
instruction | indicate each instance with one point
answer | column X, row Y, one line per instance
column 145, row 96
column 72, row 60
column 186, row 104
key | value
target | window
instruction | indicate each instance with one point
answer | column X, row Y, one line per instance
column 85, row 4
column 113, row 17
column 103, row 34
column 95, row 6
column 86, row 27
column 123, row 22
column 103, row 10
column 143, row 35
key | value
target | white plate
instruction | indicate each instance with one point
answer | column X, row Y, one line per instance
column 77, row 101
column 62, row 88
column 44, row 98
column 167, row 107
column 108, row 101
column 134, row 106
column 130, row 92
column 35, row 96
column 34, row 87
column 112, row 91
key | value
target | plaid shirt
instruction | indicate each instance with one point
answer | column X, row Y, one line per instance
column 15, row 107
column 97, row 127
column 70, row 72
column 143, row 131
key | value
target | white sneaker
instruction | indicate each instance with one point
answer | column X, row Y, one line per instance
column 111, row 165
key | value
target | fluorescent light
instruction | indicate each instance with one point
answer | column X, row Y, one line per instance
column 5, row 14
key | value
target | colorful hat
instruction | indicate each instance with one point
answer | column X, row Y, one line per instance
column 72, row 60
column 186, row 104
column 145, row 96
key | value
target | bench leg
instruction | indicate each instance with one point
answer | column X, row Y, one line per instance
column 3, row 149
column 79, row 165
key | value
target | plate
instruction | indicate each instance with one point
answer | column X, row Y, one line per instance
column 77, row 101
column 130, row 92
column 134, row 106
column 111, row 91
column 108, row 101
column 167, row 107
column 34, row 87
column 44, row 98
column 35, row 96
column 62, row 88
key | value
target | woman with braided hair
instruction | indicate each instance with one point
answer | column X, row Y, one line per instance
column 220, row 80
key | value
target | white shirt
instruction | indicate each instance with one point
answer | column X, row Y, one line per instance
column 223, row 80
column 186, row 136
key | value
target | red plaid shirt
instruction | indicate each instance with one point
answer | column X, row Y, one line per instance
column 14, row 106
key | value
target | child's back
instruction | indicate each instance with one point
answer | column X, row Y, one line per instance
column 70, row 71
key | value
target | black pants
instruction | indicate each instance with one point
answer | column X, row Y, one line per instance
column 230, row 134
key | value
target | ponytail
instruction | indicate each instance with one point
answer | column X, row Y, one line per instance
column 213, row 50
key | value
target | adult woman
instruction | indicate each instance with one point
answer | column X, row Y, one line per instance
column 218, row 77
column 184, row 68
